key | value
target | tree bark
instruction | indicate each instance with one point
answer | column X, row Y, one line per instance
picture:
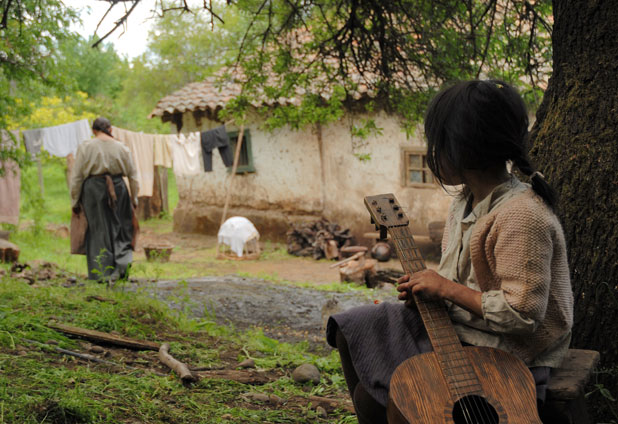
column 575, row 146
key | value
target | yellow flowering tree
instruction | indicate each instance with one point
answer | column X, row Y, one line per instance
column 54, row 110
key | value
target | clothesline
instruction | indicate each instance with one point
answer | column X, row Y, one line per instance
column 187, row 154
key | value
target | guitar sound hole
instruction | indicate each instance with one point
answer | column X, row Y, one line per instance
column 474, row 409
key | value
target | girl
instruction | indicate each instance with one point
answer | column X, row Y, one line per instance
column 503, row 273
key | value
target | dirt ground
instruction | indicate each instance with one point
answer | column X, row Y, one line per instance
column 198, row 251
column 243, row 293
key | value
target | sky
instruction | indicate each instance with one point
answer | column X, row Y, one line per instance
column 133, row 41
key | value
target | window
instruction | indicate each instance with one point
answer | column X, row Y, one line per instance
column 245, row 160
column 416, row 171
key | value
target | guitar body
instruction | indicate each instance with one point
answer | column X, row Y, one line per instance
column 419, row 392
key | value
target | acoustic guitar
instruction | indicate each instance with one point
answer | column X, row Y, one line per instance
column 452, row 384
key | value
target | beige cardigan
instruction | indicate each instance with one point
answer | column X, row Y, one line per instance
column 519, row 248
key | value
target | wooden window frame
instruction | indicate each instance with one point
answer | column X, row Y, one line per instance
column 424, row 169
column 233, row 136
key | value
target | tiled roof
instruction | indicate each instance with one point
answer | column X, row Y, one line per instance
column 208, row 95
column 211, row 95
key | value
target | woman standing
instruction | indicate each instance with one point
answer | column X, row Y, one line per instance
column 98, row 187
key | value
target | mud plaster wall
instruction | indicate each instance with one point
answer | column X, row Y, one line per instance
column 292, row 183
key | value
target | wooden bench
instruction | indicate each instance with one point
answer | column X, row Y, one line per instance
column 565, row 393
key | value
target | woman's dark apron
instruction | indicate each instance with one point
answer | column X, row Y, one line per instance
column 110, row 234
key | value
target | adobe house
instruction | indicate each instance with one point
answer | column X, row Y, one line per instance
column 288, row 175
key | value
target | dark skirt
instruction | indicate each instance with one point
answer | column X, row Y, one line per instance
column 380, row 337
column 110, row 228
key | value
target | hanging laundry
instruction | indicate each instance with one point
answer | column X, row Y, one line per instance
column 33, row 140
column 142, row 149
column 162, row 152
column 9, row 181
column 64, row 139
column 186, row 153
column 216, row 138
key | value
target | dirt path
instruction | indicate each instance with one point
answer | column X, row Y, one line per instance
column 258, row 293
column 285, row 312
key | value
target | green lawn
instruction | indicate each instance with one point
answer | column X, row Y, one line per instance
column 39, row 385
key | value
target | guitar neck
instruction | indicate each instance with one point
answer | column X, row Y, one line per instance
column 454, row 362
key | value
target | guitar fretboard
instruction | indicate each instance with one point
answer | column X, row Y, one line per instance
column 457, row 369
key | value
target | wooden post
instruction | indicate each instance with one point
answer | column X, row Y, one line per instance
column 231, row 178
column 40, row 171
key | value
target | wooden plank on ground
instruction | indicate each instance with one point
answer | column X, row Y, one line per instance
column 101, row 337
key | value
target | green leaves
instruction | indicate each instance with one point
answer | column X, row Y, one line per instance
column 395, row 53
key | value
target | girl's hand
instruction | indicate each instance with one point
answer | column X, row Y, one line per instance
column 431, row 285
column 427, row 283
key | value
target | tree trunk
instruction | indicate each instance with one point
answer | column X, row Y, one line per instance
column 575, row 146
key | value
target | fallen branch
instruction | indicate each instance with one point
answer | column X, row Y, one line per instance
column 178, row 367
column 99, row 336
column 331, row 404
column 100, row 299
column 87, row 357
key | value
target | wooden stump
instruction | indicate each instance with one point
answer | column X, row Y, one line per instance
column 565, row 392
column 9, row 252
column 359, row 271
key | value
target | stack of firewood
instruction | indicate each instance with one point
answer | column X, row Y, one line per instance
column 320, row 239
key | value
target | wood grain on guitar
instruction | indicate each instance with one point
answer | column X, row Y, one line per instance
column 452, row 384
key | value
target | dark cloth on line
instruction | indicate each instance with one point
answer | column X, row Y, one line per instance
column 108, row 209
column 216, row 139
column 380, row 337
column 33, row 140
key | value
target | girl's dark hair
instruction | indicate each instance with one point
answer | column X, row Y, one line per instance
column 477, row 125
column 103, row 125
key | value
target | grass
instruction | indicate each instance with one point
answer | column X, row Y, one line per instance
column 39, row 385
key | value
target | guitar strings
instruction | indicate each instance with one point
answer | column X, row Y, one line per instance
column 421, row 262
column 404, row 236
column 484, row 413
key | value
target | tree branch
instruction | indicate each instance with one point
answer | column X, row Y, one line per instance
column 118, row 23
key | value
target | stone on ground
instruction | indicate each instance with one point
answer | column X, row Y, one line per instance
column 305, row 373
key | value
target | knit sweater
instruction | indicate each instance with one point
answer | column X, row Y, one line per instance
column 519, row 248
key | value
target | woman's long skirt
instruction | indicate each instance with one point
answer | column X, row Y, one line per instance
column 110, row 228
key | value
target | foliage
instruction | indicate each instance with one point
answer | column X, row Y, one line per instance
column 37, row 384
column 396, row 52
column 96, row 71
column 29, row 34
column 53, row 110
column 324, row 55
column 182, row 48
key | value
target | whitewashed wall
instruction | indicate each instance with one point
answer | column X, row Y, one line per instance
column 291, row 181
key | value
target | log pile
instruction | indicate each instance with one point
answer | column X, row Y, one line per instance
column 320, row 239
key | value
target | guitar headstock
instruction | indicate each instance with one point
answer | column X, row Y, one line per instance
column 385, row 211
